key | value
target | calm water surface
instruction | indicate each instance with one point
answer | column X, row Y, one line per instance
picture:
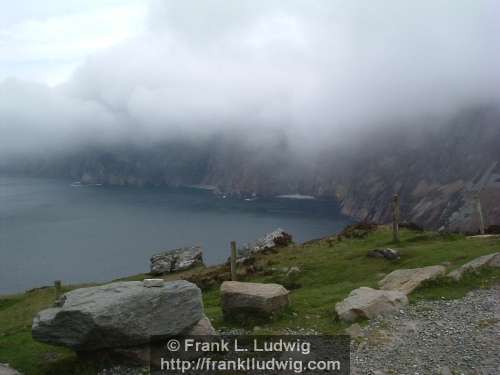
column 51, row 230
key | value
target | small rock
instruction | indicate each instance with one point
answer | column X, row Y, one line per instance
column 387, row 253
column 292, row 278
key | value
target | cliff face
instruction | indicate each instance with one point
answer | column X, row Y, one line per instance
column 436, row 171
column 436, row 176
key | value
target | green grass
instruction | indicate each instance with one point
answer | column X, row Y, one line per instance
column 329, row 273
column 330, row 270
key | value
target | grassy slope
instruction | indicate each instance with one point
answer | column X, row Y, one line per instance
column 329, row 272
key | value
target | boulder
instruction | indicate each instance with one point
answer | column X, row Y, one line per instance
column 368, row 303
column 5, row 369
column 176, row 260
column 407, row 280
column 121, row 314
column 252, row 298
column 277, row 238
column 387, row 253
column 485, row 261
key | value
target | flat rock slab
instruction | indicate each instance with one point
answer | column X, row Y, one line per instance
column 483, row 236
column 7, row 370
column 176, row 260
column 485, row 261
column 119, row 315
column 368, row 303
column 407, row 280
column 253, row 298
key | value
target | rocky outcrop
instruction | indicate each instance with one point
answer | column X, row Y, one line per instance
column 121, row 314
column 407, row 280
column 252, row 299
column 368, row 303
column 485, row 261
column 276, row 238
column 176, row 260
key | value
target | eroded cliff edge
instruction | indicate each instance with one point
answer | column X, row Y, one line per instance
column 437, row 170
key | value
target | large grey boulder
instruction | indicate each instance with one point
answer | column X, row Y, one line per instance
column 368, row 303
column 485, row 261
column 176, row 260
column 120, row 314
column 407, row 280
column 239, row 298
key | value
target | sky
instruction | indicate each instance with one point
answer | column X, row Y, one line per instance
column 44, row 41
column 76, row 71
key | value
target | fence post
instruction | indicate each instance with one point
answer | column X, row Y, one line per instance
column 480, row 213
column 395, row 218
column 58, row 288
column 233, row 260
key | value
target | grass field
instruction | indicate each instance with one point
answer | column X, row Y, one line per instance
column 330, row 269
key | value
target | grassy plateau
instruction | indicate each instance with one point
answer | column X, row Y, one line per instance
column 330, row 269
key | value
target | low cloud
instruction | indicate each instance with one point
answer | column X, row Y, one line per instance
column 320, row 72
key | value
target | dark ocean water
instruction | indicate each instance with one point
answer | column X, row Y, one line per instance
column 51, row 230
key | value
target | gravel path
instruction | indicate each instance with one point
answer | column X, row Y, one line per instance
column 434, row 337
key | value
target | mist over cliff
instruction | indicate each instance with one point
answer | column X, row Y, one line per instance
column 341, row 99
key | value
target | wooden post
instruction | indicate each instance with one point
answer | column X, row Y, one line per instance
column 480, row 213
column 395, row 218
column 233, row 260
column 58, row 288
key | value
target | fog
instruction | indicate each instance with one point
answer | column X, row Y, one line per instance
column 320, row 72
